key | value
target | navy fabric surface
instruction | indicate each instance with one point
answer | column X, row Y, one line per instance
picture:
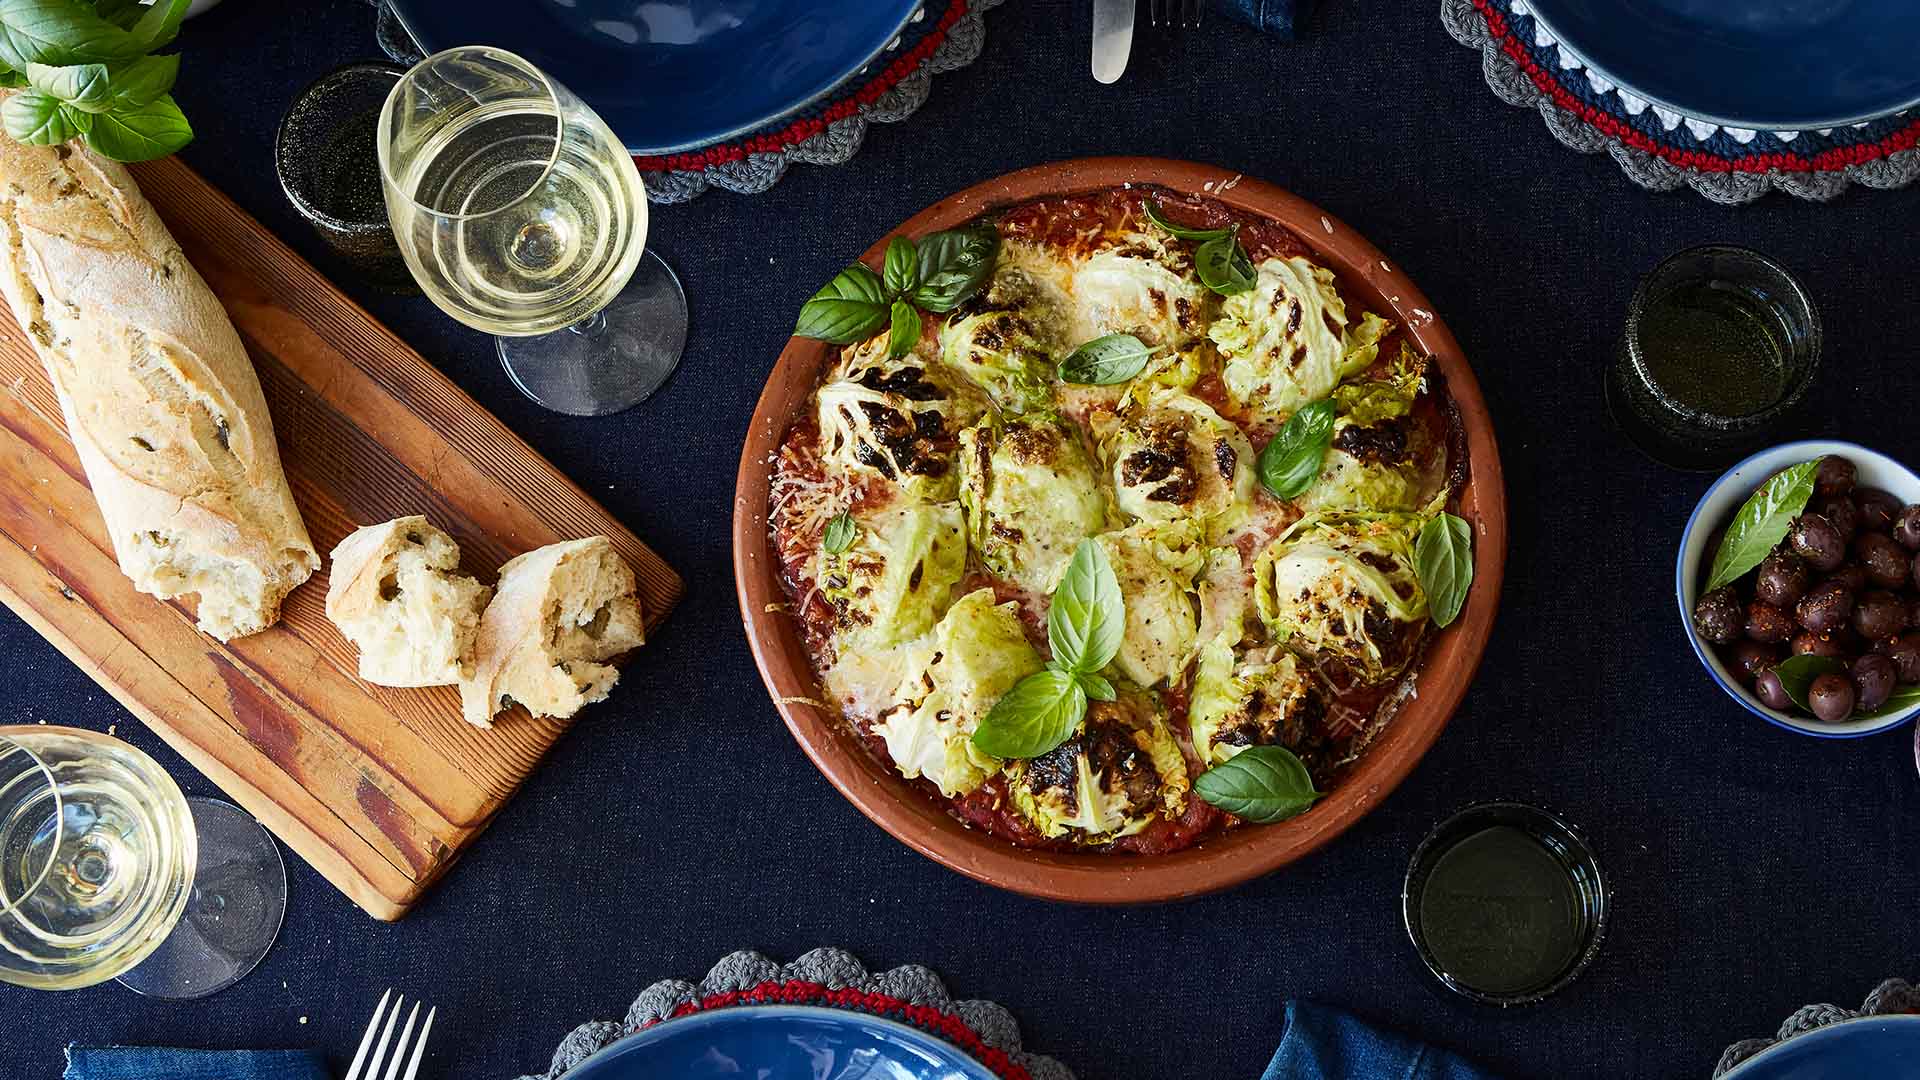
column 1278, row 17
column 1321, row 1043
column 1753, row 870
column 152, row 1063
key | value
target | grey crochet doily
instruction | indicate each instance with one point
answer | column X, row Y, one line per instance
column 758, row 172
column 835, row 968
column 1513, row 86
column 1892, row 996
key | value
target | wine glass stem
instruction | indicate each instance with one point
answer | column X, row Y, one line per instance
column 592, row 326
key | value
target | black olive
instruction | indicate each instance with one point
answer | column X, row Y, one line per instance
column 1831, row 698
column 1768, row 689
column 1808, row 643
column 1886, row 561
column 1906, row 528
column 1826, row 608
column 1718, row 616
column 1877, row 509
column 1835, row 476
column 1842, row 514
column 1879, row 614
column 1905, row 655
column 1816, row 540
column 1853, row 576
column 1873, row 679
column 1768, row 623
column 1783, row 579
column 1916, row 584
column 1750, row 658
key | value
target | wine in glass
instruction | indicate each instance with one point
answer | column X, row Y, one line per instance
column 521, row 213
column 108, row 871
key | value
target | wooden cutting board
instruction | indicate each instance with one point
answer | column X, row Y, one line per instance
column 380, row 789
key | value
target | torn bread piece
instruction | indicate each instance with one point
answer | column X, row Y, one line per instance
column 558, row 613
column 397, row 593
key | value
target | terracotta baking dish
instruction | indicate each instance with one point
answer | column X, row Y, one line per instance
column 917, row 820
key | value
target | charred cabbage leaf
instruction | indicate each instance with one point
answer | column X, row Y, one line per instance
column 974, row 655
column 1287, row 341
column 899, row 419
column 1174, row 459
column 897, row 577
column 1381, row 457
column 1001, row 352
column 1343, row 587
column 1030, row 495
column 1114, row 777
column 1156, row 566
column 1264, row 699
column 1141, row 287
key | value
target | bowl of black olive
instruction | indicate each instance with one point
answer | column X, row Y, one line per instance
column 1799, row 585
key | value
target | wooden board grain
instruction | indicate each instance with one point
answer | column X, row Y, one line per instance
column 380, row 789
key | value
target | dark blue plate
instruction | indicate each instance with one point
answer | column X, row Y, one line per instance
column 1775, row 65
column 1872, row 1046
column 671, row 75
column 778, row 1042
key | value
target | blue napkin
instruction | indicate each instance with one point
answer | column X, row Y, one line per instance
column 1327, row 1044
column 153, row 1063
column 1276, row 17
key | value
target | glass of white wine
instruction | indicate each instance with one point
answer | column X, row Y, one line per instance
column 108, row 871
column 522, row 214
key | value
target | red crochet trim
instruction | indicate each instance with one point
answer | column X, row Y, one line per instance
column 1826, row 161
column 807, row 127
column 799, row 992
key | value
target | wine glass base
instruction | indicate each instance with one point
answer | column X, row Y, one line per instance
column 614, row 359
column 239, row 900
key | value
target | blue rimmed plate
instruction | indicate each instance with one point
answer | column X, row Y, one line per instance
column 1771, row 65
column 1871, row 1046
column 672, row 75
column 781, row 1041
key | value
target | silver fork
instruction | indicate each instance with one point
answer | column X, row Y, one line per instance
column 386, row 1035
column 1183, row 14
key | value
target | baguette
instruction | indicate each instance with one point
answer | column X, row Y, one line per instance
column 159, row 395
column 395, row 591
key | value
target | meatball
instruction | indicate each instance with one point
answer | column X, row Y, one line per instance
column 1718, row 616
column 1831, row 698
column 1768, row 623
column 1783, row 579
column 1816, row 540
column 1826, row 608
column 1835, row 477
column 1887, row 562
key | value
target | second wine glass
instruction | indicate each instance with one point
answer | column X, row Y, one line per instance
column 522, row 214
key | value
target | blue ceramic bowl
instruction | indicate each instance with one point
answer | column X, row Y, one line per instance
column 1770, row 65
column 781, row 1041
column 672, row 75
column 1871, row 1046
column 1718, row 506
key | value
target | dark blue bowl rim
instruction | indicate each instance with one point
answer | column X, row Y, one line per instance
column 1808, row 1041
column 951, row 1056
column 1686, row 612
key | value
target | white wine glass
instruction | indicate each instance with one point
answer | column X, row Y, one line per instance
column 107, row 871
column 521, row 213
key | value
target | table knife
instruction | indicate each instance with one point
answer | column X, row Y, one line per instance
column 1112, row 38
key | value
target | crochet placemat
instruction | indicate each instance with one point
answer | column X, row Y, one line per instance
column 831, row 978
column 1892, row 996
column 1662, row 149
column 943, row 36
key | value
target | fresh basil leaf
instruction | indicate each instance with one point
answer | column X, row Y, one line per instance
column 13, row 78
column 1443, row 559
column 839, row 533
column 1223, row 265
column 953, row 265
column 1181, row 231
column 1902, row 699
column 62, row 32
column 79, row 119
column 1798, row 672
column 83, row 86
column 852, row 307
column 121, row 13
column 160, row 23
column 143, row 80
column 1087, row 618
column 905, row 330
column 1762, row 523
column 34, row 117
column 1290, row 462
column 141, row 133
column 1038, row 714
column 1097, row 687
column 902, row 269
column 1105, row 361
column 1262, row 784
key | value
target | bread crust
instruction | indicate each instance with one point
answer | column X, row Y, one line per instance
column 395, row 591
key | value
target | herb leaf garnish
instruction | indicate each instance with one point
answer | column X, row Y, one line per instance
column 902, row 269
column 906, row 330
column 937, row 274
column 1085, row 625
column 953, row 265
column 852, row 307
column 87, row 71
column 1762, row 523
column 1902, row 698
column 1290, row 462
column 1798, row 672
column 1223, row 265
column 839, row 533
column 1443, row 559
column 1105, row 361
column 1182, row 231
column 1262, row 784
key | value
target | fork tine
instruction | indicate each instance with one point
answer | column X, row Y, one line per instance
column 386, row 1036
column 1157, row 8
column 419, row 1048
column 359, row 1058
column 400, row 1048
column 1199, row 8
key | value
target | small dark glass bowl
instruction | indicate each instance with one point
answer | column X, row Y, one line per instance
column 325, row 156
column 1568, row 847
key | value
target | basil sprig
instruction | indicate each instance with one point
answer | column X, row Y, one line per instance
column 839, row 533
column 1443, row 559
column 1220, row 262
column 1085, row 625
column 1262, row 784
column 1762, row 523
column 1182, row 231
column 1105, row 361
column 83, row 70
column 1290, row 462
column 938, row 274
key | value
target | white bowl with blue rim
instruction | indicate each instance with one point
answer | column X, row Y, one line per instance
column 1718, row 506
